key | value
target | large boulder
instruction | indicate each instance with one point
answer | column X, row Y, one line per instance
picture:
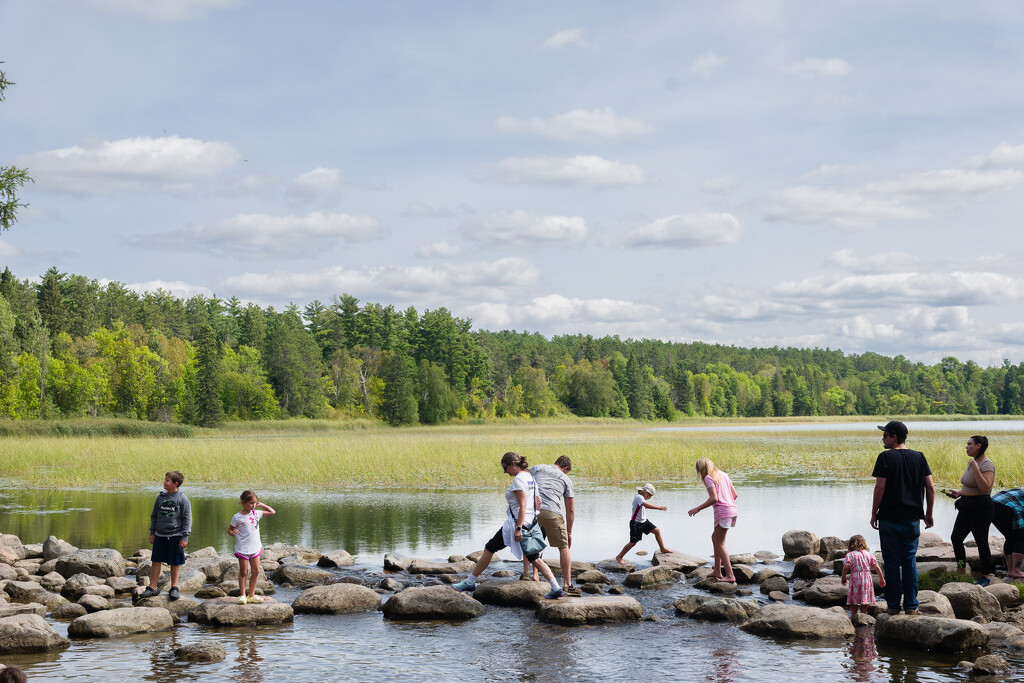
column 301, row 574
column 54, row 547
column 28, row 608
column 191, row 580
column 336, row 558
column 827, row 591
column 52, row 582
column 935, row 605
column 511, row 593
column 432, row 602
column 793, row 621
column 102, row 563
column 121, row 622
column 807, row 567
column 970, row 600
column 26, row 633
column 651, row 576
column 936, row 634
column 227, row 612
column 828, row 544
column 678, row 561
column 14, row 544
column 589, row 610
column 338, row 598
column 22, row 591
column 178, row 608
column 433, row 568
column 799, row 543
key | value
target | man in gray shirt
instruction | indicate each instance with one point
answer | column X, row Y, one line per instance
column 553, row 486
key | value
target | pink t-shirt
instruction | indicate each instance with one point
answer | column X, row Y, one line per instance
column 726, row 494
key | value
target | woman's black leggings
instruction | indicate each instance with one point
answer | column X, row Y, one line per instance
column 974, row 516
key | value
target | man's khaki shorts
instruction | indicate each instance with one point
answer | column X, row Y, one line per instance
column 553, row 525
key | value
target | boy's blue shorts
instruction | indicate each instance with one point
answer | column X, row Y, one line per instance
column 168, row 550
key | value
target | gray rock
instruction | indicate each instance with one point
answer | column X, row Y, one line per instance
column 511, row 593
column 828, row 544
column 178, row 608
column 775, row 583
column 1000, row 631
column 189, row 581
column 597, row 588
column 794, row 621
column 799, row 543
column 589, row 610
column 68, row 611
column 991, row 665
column 205, row 650
column 7, row 572
column 208, row 551
column 52, row 582
column 336, row 558
column 678, row 561
column 827, row 591
column 279, row 550
column 14, row 543
column 93, row 603
column 577, row 566
column 615, row 568
column 935, row 605
column 120, row 584
column 651, row 576
column 807, row 567
column 227, row 612
column 778, row 596
column 432, row 602
column 396, row 563
column 210, row 592
column 433, row 568
column 54, row 548
column 28, row 633
column 338, row 598
column 592, row 576
column 28, row 608
column 232, row 573
column 861, row 619
column 743, row 558
column 33, row 551
column 1007, row 594
column 765, row 556
column 121, row 622
column 102, row 563
column 743, row 573
column 930, row 538
column 22, row 591
column 971, row 600
column 713, row 585
column 390, row 584
column 74, row 587
column 50, row 600
column 935, row 634
column 724, row 609
column 614, row 589
column 230, row 588
column 301, row 575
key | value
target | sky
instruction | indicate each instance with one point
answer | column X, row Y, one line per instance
column 823, row 173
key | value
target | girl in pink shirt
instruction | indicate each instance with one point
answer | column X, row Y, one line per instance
column 721, row 495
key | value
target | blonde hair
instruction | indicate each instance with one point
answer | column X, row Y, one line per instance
column 857, row 542
column 706, row 468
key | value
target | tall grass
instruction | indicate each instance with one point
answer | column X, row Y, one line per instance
column 468, row 455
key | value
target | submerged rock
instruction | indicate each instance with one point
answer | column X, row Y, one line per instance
column 121, row 622
column 27, row 633
column 432, row 602
column 589, row 610
column 338, row 598
column 930, row 633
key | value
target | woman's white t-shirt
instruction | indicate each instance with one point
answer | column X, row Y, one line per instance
column 247, row 542
column 521, row 482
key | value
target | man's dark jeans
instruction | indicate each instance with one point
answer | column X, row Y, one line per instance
column 898, row 538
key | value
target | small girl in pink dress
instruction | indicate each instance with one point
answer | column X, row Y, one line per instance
column 858, row 563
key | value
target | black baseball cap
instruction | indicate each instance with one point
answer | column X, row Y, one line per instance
column 896, row 428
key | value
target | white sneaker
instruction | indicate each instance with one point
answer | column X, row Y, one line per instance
column 242, row 600
column 256, row 600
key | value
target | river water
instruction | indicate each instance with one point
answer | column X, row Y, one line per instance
column 506, row 643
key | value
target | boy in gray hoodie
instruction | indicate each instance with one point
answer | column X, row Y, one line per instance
column 169, row 527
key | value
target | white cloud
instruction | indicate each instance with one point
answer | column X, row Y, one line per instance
column 843, row 209
column 164, row 10
column 439, row 250
column 827, row 171
column 263, row 236
column 523, row 229
column 182, row 290
column 579, row 170
column 687, row 231
column 706, row 64
column 1004, row 154
column 948, row 182
column 169, row 163
column 931, row 289
column 721, row 185
column 423, row 210
column 820, row 67
column 317, row 186
column 254, row 184
column 487, row 281
column 563, row 311
column 571, row 36
column 578, row 124
column 883, row 261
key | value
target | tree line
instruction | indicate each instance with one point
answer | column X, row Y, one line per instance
column 73, row 347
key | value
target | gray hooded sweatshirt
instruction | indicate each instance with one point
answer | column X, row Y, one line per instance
column 171, row 516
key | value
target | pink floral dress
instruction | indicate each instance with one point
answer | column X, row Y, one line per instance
column 862, row 586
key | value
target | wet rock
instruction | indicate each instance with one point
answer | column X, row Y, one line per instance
column 743, row 558
column 743, row 573
column 778, row 596
column 432, row 602
column 28, row 608
column 614, row 589
column 227, row 612
column 592, row 576
column 390, row 584
column 396, row 563
column 794, row 621
column 205, row 650
column 121, row 622
column 1001, row 631
column 589, row 610
column 1006, row 593
column 775, row 584
column 93, row 603
column 720, row 587
column 614, row 567
column 766, row 573
column 597, row 588
column 458, row 558
column 651, row 576
column 279, row 550
column 207, row 592
column 930, row 633
column 54, row 548
column 678, row 561
column 505, row 574
column 807, row 567
column 433, row 568
column 511, row 593
column 724, row 609
column 68, row 611
column 971, row 600
column 336, row 558
column 799, row 543
column 22, row 591
column 828, row 544
column 991, row 665
column 28, row 633
column 688, row 603
column 300, row 574
column 827, row 591
column 101, row 563
column 935, row 605
column 338, row 598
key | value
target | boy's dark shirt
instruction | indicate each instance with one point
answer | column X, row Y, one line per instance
column 904, row 471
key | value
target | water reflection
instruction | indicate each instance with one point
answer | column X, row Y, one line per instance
column 863, row 655
column 248, row 663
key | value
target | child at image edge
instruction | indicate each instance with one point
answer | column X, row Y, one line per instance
column 858, row 563
column 245, row 527
column 170, row 524
column 639, row 525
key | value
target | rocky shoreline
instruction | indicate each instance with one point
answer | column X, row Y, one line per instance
column 98, row 592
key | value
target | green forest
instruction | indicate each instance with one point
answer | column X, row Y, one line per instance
column 73, row 347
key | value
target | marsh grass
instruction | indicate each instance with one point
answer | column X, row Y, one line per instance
column 94, row 427
column 320, row 456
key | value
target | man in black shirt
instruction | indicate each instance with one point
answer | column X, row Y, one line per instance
column 903, row 484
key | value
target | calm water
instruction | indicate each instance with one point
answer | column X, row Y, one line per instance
column 505, row 644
